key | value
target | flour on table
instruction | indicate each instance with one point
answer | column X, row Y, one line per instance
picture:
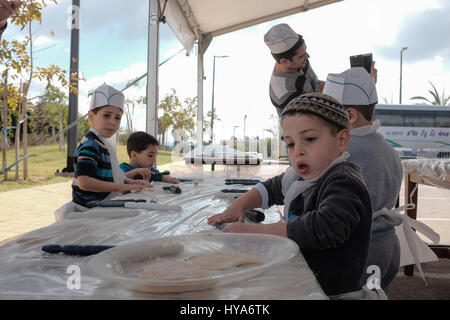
column 172, row 270
column 223, row 260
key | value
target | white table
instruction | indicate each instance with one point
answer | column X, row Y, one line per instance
column 26, row 272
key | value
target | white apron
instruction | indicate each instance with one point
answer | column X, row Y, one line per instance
column 413, row 250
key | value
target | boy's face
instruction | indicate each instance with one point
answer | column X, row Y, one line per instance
column 146, row 158
column 106, row 121
column 311, row 146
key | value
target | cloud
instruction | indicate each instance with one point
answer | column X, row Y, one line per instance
column 43, row 41
column 425, row 34
column 126, row 20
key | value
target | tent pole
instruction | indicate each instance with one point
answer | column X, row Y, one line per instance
column 152, row 69
column 200, row 77
column 203, row 44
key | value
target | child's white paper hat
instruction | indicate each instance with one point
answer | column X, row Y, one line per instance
column 105, row 95
column 353, row 87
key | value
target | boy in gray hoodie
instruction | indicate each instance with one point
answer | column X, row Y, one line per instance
column 380, row 164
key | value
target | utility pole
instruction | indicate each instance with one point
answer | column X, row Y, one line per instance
column 72, row 138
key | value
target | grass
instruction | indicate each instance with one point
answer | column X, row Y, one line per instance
column 43, row 164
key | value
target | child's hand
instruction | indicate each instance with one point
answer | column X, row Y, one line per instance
column 373, row 72
column 145, row 173
column 130, row 187
column 170, row 179
column 229, row 215
column 143, row 183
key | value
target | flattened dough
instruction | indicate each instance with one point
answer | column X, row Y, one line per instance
column 172, row 270
column 223, row 260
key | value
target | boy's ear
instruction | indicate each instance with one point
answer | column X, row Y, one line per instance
column 90, row 116
column 284, row 61
column 352, row 115
column 133, row 155
column 343, row 139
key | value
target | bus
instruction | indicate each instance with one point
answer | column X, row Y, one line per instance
column 416, row 130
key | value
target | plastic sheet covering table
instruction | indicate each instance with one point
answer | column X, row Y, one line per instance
column 434, row 172
column 26, row 272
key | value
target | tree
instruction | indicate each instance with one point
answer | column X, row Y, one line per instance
column 437, row 100
column 19, row 70
column 51, row 112
column 208, row 120
column 128, row 114
column 181, row 116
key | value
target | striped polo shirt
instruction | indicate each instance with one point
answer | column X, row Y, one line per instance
column 91, row 159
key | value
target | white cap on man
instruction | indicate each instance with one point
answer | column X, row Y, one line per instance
column 105, row 95
column 280, row 38
column 353, row 87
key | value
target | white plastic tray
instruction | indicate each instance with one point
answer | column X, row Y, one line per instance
column 123, row 264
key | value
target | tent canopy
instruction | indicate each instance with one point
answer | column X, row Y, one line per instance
column 216, row 17
column 199, row 21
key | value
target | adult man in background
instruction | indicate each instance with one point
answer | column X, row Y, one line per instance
column 7, row 8
column 292, row 75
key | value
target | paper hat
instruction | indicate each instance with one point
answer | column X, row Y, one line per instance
column 353, row 87
column 320, row 105
column 106, row 95
column 280, row 38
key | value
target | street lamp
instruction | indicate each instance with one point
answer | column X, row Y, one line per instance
column 234, row 136
column 401, row 62
column 265, row 144
column 245, row 119
column 212, row 103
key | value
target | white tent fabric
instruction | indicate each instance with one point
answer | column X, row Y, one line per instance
column 216, row 17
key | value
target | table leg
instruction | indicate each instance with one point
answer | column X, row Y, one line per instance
column 409, row 187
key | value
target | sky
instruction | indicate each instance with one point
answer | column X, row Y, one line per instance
column 113, row 49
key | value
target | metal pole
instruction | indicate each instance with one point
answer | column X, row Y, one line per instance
column 152, row 69
column 245, row 119
column 212, row 102
column 72, row 136
column 401, row 65
column 199, row 95
column 234, row 136
column 245, row 140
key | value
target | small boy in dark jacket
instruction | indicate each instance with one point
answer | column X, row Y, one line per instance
column 327, row 207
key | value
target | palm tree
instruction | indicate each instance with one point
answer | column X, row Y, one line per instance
column 440, row 101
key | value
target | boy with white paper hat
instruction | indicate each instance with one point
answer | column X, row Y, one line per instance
column 380, row 164
column 292, row 74
column 97, row 174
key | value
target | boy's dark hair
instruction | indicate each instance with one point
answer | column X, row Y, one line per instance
column 96, row 110
column 139, row 141
column 290, row 53
column 367, row 111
